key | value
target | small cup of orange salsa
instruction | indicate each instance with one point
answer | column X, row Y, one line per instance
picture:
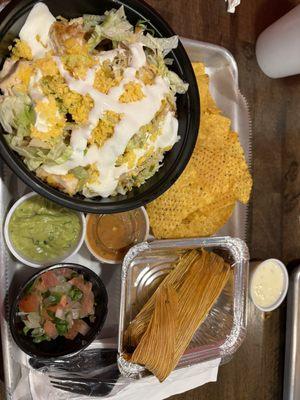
column 110, row 236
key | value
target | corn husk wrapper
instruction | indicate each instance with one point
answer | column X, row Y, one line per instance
column 189, row 293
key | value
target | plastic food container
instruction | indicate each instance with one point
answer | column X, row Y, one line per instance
column 277, row 47
column 278, row 292
column 144, row 233
column 31, row 263
column 223, row 330
column 60, row 347
column 11, row 20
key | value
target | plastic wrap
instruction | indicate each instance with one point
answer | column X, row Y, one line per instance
column 148, row 388
column 93, row 372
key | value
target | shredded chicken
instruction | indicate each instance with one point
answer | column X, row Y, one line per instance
column 62, row 31
column 66, row 183
column 9, row 76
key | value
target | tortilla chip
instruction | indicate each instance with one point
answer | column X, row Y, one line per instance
column 206, row 100
column 198, row 224
column 202, row 199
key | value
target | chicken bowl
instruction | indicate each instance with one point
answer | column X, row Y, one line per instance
column 99, row 107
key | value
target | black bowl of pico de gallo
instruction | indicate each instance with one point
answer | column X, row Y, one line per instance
column 59, row 311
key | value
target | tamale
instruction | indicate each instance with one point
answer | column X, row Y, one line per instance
column 199, row 283
column 162, row 331
column 138, row 326
column 197, row 295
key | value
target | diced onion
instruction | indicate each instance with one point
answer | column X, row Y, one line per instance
column 59, row 313
column 83, row 328
column 63, row 288
column 75, row 313
column 33, row 320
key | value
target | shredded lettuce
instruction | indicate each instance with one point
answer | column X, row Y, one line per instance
column 90, row 21
column 88, row 193
column 34, row 157
column 176, row 83
column 143, row 24
column 160, row 48
column 81, row 174
column 16, row 117
column 140, row 174
column 16, row 113
column 59, row 153
column 115, row 27
column 163, row 45
column 157, row 60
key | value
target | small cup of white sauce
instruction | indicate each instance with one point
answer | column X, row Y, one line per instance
column 269, row 283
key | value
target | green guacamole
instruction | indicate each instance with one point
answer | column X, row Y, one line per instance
column 42, row 231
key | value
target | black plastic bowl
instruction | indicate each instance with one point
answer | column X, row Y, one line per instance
column 188, row 109
column 61, row 346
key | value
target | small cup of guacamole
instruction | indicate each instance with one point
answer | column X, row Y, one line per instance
column 39, row 232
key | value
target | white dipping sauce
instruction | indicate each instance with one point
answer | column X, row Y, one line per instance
column 267, row 284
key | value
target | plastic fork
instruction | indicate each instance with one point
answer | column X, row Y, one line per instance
column 91, row 372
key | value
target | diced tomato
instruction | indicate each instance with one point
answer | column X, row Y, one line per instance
column 50, row 329
column 87, row 305
column 30, row 303
column 53, row 308
column 45, row 314
column 40, row 286
column 88, row 286
column 73, row 331
column 85, row 287
column 78, row 326
column 79, row 283
column 63, row 301
column 49, row 279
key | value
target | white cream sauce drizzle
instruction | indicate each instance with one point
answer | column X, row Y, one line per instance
column 138, row 59
column 109, row 55
column 37, row 95
column 41, row 123
column 134, row 116
column 35, row 31
column 34, row 90
column 169, row 136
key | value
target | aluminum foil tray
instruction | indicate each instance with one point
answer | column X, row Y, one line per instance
column 222, row 332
